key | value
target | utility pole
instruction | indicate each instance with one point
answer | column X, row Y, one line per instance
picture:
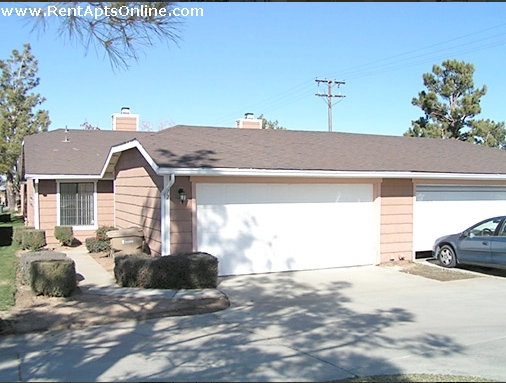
column 329, row 96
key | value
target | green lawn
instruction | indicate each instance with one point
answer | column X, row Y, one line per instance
column 417, row 378
column 8, row 265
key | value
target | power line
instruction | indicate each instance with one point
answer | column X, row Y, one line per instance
column 329, row 96
column 422, row 55
column 431, row 47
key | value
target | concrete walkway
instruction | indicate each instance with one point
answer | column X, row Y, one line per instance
column 96, row 280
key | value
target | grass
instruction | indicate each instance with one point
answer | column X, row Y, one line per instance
column 8, row 268
column 417, row 378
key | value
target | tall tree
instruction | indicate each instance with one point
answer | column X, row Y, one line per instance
column 18, row 117
column 121, row 29
column 450, row 104
column 268, row 124
column 488, row 133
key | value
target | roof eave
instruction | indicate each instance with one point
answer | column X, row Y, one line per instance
column 62, row 176
column 286, row 173
column 327, row 174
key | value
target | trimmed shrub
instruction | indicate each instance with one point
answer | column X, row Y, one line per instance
column 127, row 269
column 182, row 271
column 96, row 246
column 101, row 232
column 64, row 234
column 101, row 242
column 5, row 235
column 27, row 258
column 33, row 239
column 17, row 233
column 5, row 217
column 53, row 278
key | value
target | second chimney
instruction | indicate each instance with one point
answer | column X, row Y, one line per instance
column 125, row 120
column 248, row 122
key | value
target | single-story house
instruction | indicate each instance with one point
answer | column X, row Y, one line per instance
column 262, row 200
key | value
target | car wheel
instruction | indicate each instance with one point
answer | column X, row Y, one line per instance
column 447, row 256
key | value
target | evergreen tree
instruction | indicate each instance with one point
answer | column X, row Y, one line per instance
column 18, row 117
column 121, row 29
column 450, row 104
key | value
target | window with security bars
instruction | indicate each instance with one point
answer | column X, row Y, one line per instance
column 76, row 204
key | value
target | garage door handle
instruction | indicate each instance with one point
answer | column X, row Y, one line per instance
column 484, row 243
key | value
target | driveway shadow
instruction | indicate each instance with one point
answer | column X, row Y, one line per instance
column 289, row 326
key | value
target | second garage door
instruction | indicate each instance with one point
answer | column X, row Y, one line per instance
column 258, row 228
column 446, row 209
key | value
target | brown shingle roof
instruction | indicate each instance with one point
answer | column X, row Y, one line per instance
column 190, row 146
column 210, row 147
column 84, row 154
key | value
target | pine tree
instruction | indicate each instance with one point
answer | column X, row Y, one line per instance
column 450, row 105
column 121, row 28
column 18, row 117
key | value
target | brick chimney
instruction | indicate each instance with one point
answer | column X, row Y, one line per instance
column 125, row 120
column 248, row 122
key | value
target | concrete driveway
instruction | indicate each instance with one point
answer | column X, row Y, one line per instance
column 300, row 326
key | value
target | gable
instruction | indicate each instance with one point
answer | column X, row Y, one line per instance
column 75, row 153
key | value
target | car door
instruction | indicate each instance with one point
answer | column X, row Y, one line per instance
column 498, row 247
column 474, row 246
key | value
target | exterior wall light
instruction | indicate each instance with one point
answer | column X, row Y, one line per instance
column 182, row 195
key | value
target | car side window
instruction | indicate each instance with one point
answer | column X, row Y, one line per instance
column 485, row 229
column 502, row 230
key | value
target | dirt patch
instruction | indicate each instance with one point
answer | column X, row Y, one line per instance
column 33, row 313
column 431, row 271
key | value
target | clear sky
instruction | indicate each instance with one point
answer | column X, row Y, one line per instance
column 264, row 58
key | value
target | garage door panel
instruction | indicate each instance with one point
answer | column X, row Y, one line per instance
column 460, row 193
column 442, row 210
column 253, row 194
column 327, row 231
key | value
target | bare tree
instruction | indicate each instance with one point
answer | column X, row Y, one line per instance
column 147, row 126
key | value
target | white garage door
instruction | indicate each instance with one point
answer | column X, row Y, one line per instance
column 442, row 210
column 258, row 228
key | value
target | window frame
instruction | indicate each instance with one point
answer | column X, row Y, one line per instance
column 95, row 205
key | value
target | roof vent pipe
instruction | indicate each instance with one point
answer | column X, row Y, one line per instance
column 66, row 139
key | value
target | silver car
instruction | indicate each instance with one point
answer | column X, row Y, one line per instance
column 483, row 244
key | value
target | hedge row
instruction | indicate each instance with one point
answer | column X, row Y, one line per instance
column 183, row 271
